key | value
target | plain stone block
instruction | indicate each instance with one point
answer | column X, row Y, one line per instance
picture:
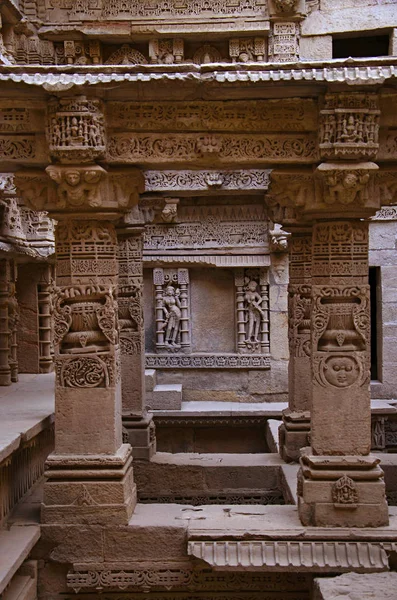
column 150, row 379
column 166, row 397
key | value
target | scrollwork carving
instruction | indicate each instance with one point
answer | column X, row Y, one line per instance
column 84, row 372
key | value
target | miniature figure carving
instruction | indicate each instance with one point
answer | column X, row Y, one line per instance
column 77, row 187
column 170, row 210
column 172, row 311
column 285, row 6
column 344, row 492
column 346, row 187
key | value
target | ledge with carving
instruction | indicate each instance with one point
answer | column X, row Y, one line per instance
column 86, row 190
column 23, row 231
column 347, row 189
column 207, row 361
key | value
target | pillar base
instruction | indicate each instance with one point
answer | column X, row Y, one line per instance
column 294, row 434
column 92, row 489
column 341, row 491
column 5, row 376
column 141, row 434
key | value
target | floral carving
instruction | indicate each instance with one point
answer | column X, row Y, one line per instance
column 203, row 180
column 177, row 147
column 84, row 372
column 285, row 6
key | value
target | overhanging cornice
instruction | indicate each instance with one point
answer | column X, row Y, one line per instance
column 63, row 77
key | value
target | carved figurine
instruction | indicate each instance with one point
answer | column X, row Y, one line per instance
column 172, row 311
column 255, row 313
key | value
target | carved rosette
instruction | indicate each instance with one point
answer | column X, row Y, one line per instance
column 76, row 129
column 350, row 126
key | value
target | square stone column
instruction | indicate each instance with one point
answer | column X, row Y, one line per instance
column 340, row 483
column 138, row 423
column 294, row 433
column 5, row 368
column 89, row 475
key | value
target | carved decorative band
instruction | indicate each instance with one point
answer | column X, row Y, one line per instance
column 162, row 148
column 207, row 361
column 179, row 181
column 183, row 577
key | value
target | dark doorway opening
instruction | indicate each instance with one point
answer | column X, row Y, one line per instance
column 357, row 47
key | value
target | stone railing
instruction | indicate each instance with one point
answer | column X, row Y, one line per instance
column 22, row 465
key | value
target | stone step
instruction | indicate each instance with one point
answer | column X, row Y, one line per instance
column 165, row 397
column 16, row 544
column 22, row 587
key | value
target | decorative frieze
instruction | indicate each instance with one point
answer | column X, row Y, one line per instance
column 291, row 114
column 184, row 577
column 203, row 227
column 387, row 213
column 207, row 361
column 76, row 130
column 350, row 126
column 202, row 181
column 17, row 147
column 177, row 148
column 114, row 9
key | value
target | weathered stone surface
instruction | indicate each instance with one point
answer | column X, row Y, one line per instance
column 353, row 585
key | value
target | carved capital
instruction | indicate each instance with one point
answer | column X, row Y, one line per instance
column 284, row 7
column 81, row 189
column 290, row 192
column 345, row 190
column 76, row 129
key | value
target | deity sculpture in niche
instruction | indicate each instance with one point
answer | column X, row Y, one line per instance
column 252, row 303
column 172, row 312
column 255, row 314
column 172, row 309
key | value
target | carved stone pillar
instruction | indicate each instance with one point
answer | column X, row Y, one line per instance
column 138, row 423
column 295, row 431
column 44, row 288
column 340, row 483
column 89, row 475
column 5, row 369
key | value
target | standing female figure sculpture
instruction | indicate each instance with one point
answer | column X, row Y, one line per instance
column 255, row 313
column 172, row 311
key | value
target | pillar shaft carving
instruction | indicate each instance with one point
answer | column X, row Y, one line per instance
column 295, row 431
column 9, row 316
column 138, row 424
column 340, row 482
column 90, row 467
